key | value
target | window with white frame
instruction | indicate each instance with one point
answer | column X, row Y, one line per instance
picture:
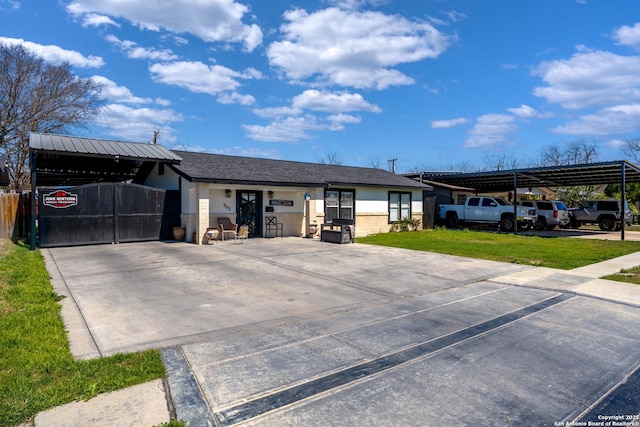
column 339, row 204
column 399, row 206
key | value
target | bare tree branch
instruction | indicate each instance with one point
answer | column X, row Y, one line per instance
column 38, row 97
column 631, row 149
column 331, row 158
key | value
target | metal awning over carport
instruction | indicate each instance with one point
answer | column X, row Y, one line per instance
column 557, row 176
column 58, row 160
column 68, row 160
column 613, row 172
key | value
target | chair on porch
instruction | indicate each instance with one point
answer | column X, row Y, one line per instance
column 226, row 226
column 272, row 224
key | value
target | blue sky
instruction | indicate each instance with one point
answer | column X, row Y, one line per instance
column 435, row 84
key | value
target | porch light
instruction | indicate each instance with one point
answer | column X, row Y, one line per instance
column 227, row 193
column 270, row 194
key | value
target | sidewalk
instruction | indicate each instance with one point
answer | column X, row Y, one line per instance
column 147, row 405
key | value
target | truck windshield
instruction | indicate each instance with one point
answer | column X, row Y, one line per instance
column 502, row 201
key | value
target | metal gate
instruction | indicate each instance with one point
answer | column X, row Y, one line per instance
column 102, row 213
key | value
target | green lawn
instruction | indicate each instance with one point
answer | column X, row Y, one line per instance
column 37, row 370
column 631, row 275
column 560, row 252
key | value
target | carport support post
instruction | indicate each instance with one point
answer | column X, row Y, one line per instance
column 623, row 189
column 515, row 202
column 32, row 232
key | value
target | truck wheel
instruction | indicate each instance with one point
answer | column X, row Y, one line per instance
column 507, row 224
column 452, row 221
column 607, row 224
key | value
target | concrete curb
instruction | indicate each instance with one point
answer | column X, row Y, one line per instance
column 139, row 405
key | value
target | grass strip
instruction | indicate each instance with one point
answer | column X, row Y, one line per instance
column 627, row 275
column 554, row 252
column 37, row 369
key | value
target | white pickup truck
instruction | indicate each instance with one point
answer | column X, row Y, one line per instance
column 488, row 210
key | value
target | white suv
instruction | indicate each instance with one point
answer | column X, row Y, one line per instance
column 551, row 213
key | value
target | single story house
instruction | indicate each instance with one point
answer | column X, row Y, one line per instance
column 300, row 195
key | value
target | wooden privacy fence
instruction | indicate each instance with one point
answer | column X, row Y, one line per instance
column 14, row 215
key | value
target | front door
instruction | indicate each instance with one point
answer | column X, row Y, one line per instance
column 249, row 208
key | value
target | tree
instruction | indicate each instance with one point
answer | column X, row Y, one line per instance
column 38, row 97
column 374, row 162
column 631, row 148
column 574, row 153
column 499, row 162
column 331, row 158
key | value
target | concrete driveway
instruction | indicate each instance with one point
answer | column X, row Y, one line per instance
column 299, row 332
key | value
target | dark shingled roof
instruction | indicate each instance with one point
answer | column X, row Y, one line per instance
column 216, row 168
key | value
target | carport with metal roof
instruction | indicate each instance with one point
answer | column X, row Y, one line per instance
column 62, row 161
column 613, row 172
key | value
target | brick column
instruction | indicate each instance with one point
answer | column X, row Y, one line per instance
column 202, row 191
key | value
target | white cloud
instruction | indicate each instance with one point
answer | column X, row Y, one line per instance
column 629, row 36
column 351, row 48
column 236, row 98
column 526, row 112
column 97, row 20
column 289, row 129
column 114, row 93
column 344, row 118
column 337, row 121
column 332, row 102
column 446, row 124
column 134, row 51
column 138, row 124
column 57, row 55
column 198, row 77
column 9, row 5
column 491, row 130
column 210, row 20
column 356, row 4
column 616, row 120
column 288, row 124
column 590, row 79
column 616, row 143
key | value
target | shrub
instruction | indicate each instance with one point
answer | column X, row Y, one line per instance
column 406, row 224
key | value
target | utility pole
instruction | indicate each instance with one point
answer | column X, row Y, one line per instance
column 393, row 164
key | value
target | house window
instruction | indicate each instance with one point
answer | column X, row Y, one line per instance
column 339, row 204
column 461, row 199
column 399, row 206
column 160, row 168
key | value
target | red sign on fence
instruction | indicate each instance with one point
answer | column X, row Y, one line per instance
column 60, row 199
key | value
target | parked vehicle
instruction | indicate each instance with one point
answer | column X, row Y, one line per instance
column 488, row 210
column 606, row 213
column 551, row 213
